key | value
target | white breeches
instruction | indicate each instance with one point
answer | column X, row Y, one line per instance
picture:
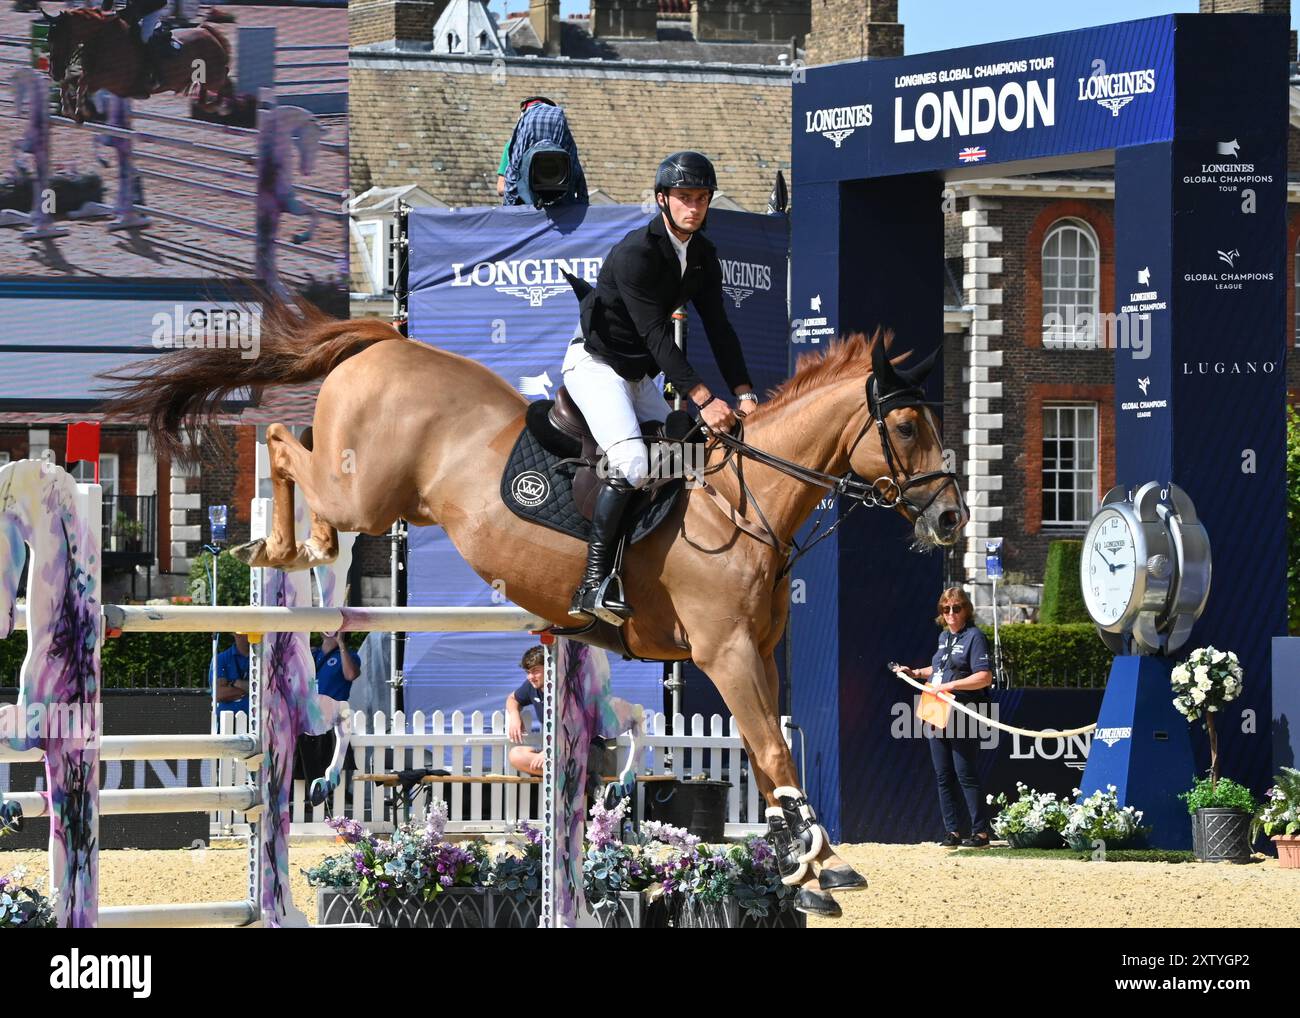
column 614, row 409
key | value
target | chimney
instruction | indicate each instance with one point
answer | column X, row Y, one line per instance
column 407, row 23
column 1252, row 7
column 625, row 19
column 854, row 30
column 544, row 15
column 749, row 20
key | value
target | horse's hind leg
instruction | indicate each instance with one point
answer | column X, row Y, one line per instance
column 280, row 549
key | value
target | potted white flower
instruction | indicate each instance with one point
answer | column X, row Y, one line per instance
column 1280, row 818
column 1202, row 685
column 1099, row 817
column 1033, row 820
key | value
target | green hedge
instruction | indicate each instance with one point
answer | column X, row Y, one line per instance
column 1058, row 656
column 1062, row 595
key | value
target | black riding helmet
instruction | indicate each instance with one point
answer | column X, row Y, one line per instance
column 685, row 169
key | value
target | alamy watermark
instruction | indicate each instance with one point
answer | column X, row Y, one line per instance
column 208, row 328
column 1100, row 330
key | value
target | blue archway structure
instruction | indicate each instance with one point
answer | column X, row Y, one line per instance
column 1192, row 112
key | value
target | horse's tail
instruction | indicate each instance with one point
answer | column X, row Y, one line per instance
column 183, row 389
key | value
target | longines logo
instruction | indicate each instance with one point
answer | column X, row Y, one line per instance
column 741, row 279
column 1115, row 91
column 1110, row 736
column 1229, row 367
column 530, row 488
column 837, row 122
column 535, row 280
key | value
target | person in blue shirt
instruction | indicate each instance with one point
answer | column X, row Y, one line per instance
column 541, row 120
column 525, row 758
column 336, row 668
column 232, row 677
column 960, row 667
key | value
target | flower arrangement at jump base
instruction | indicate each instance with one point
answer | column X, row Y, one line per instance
column 708, row 885
column 1221, row 810
column 1033, row 820
column 1280, row 817
column 1099, row 817
column 23, row 907
column 418, row 878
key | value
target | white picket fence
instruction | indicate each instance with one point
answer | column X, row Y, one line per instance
column 471, row 745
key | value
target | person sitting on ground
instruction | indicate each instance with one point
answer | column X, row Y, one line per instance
column 540, row 120
column 231, row 672
column 524, row 758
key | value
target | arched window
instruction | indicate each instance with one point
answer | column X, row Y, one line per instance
column 1071, row 287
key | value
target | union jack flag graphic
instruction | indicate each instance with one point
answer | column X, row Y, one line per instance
column 972, row 154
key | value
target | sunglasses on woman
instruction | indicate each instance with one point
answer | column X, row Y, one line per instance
column 952, row 609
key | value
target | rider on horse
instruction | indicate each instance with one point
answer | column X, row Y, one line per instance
column 626, row 338
column 156, row 43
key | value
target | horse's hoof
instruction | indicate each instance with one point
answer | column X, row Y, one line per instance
column 811, row 902
column 841, row 878
column 250, row 552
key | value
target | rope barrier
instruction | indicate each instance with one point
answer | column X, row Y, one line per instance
column 1010, row 729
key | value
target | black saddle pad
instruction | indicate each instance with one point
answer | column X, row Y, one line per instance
column 538, row 487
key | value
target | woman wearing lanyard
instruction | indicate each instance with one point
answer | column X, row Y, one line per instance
column 960, row 667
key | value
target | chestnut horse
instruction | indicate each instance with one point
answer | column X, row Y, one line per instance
column 90, row 50
column 403, row 429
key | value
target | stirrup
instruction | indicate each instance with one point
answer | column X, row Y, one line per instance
column 782, row 840
column 610, row 603
column 808, row 834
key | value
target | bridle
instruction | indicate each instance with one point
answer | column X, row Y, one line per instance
column 886, row 492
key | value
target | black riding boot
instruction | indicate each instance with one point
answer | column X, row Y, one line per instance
column 157, row 50
column 599, row 595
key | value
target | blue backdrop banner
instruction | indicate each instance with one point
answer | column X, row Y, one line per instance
column 487, row 283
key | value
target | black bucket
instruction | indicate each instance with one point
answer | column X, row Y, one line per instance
column 698, row 806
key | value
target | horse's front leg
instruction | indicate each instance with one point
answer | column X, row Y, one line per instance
column 324, row 713
column 834, row 874
column 737, row 669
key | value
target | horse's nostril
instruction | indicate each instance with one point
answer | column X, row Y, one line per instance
column 949, row 519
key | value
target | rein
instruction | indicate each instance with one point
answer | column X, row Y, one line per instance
column 886, row 492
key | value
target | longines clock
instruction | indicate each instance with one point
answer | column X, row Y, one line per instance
column 1145, row 569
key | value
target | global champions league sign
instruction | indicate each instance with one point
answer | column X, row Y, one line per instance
column 1192, row 113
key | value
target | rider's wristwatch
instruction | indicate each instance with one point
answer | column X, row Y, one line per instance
column 751, row 396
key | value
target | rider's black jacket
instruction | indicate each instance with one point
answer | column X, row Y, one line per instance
column 627, row 317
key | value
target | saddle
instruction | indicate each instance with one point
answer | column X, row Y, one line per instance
column 550, row 477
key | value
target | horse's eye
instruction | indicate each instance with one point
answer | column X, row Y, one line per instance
column 907, row 430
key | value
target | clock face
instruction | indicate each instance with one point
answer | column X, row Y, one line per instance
column 1109, row 568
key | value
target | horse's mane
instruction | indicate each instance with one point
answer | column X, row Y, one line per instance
column 848, row 356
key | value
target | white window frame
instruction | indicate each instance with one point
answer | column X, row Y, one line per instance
column 1076, row 524
column 1078, row 339
column 109, row 467
column 375, row 238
